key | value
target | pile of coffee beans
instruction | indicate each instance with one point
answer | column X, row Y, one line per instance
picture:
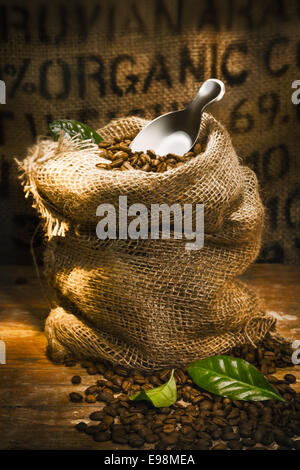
column 123, row 159
column 198, row 420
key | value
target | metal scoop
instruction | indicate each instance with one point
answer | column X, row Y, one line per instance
column 177, row 132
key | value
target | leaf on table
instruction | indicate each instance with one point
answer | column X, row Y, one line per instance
column 232, row 377
column 164, row 395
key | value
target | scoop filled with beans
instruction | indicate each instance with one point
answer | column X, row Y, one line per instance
column 123, row 159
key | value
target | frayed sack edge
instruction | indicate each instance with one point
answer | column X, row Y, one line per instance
column 53, row 223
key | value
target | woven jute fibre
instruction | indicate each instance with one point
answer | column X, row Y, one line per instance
column 147, row 304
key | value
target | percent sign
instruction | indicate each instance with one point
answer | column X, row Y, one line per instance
column 19, row 76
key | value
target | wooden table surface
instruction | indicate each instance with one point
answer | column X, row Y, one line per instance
column 35, row 412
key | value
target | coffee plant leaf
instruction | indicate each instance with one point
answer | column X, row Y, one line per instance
column 73, row 128
column 233, row 378
column 164, row 395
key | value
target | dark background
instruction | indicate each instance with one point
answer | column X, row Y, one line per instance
column 96, row 60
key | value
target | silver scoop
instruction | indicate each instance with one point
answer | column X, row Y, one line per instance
column 177, row 132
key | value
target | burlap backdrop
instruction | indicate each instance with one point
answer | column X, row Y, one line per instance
column 94, row 60
column 147, row 303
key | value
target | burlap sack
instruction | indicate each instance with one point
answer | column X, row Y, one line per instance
column 147, row 303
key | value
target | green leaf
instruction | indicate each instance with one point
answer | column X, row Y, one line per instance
column 233, row 378
column 164, row 395
column 73, row 128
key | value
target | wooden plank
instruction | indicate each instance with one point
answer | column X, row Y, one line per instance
column 46, row 428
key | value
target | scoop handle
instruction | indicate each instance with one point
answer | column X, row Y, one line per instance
column 211, row 91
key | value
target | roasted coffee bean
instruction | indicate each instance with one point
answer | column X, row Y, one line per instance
column 235, row 445
column 134, row 440
column 123, row 159
column 170, row 438
column 121, row 371
column 105, row 396
column 70, row 363
column 90, row 399
column 126, row 385
column 86, row 364
column 297, row 445
column 248, row 442
column 219, row 421
column 197, row 148
column 105, row 423
column 230, row 436
column 139, row 379
column 97, row 416
column 186, row 419
column 110, row 410
column 91, row 370
column 93, row 389
column 81, row 427
column 102, row 436
column 246, row 430
column 75, row 397
column 290, row 378
column 220, row 446
column 92, row 429
column 100, row 367
column 205, row 405
column 119, row 438
column 76, row 379
column 203, row 444
column 216, row 435
column 150, row 437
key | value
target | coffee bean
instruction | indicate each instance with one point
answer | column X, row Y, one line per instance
column 135, row 440
column 126, row 385
column 235, row 445
column 75, row 397
column 105, row 423
column 139, row 379
column 122, row 158
column 100, row 367
column 110, row 410
column 81, row 427
column 102, row 436
column 170, row 438
column 246, row 430
column 92, row 429
column 90, row 399
column 230, row 436
column 203, row 444
column 97, row 416
column 93, row 389
column 105, row 396
column 205, row 405
column 70, row 362
column 76, row 379
column 220, row 446
column 198, row 148
column 216, row 435
column 290, row 378
column 297, row 445
column 119, row 438
column 150, row 437
column 248, row 442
